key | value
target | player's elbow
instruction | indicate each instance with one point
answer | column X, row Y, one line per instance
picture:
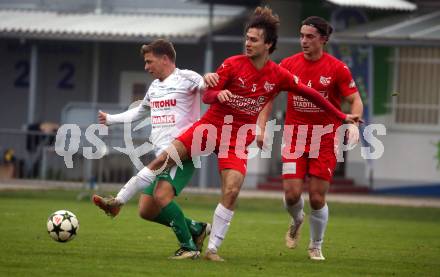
column 209, row 97
column 205, row 99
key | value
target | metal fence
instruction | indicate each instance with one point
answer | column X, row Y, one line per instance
column 34, row 156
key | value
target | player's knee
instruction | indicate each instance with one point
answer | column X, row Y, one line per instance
column 231, row 193
column 292, row 196
column 145, row 215
column 291, row 200
column 162, row 197
column 159, row 198
column 317, row 201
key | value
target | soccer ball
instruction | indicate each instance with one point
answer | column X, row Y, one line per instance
column 62, row 226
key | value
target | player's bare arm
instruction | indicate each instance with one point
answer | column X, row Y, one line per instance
column 261, row 123
column 357, row 108
column 355, row 102
column 211, row 79
column 224, row 96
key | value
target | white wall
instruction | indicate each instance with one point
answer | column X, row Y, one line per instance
column 409, row 159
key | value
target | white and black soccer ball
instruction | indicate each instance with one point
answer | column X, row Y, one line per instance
column 62, row 226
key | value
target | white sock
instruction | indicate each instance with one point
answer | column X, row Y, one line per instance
column 220, row 225
column 318, row 223
column 147, row 175
column 137, row 183
column 296, row 210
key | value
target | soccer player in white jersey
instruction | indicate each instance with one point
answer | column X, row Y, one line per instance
column 173, row 100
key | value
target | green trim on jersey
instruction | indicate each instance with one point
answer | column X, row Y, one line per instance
column 176, row 176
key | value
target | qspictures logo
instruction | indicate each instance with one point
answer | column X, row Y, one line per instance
column 220, row 140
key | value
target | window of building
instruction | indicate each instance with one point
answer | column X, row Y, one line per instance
column 417, row 77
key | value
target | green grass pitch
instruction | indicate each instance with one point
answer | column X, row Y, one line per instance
column 362, row 240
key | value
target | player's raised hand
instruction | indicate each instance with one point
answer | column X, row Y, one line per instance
column 102, row 117
column 353, row 118
column 260, row 141
column 224, row 96
column 352, row 135
column 211, row 79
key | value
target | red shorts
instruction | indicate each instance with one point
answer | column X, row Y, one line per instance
column 316, row 163
column 203, row 138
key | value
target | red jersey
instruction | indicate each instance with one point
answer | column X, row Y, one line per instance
column 329, row 76
column 252, row 89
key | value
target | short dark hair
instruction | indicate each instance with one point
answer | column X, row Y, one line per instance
column 324, row 28
column 160, row 47
column 262, row 18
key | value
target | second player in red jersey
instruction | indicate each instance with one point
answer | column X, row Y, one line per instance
column 329, row 76
column 311, row 133
column 333, row 80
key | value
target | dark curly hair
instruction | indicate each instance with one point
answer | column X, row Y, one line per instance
column 264, row 19
column 324, row 28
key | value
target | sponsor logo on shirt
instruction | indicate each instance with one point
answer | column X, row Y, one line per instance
column 352, row 84
column 163, row 119
column 163, row 103
column 325, row 81
column 242, row 85
column 268, row 86
column 302, row 104
column 247, row 105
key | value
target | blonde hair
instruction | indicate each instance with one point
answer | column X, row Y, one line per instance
column 160, row 47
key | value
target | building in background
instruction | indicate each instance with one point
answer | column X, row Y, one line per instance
column 55, row 53
column 405, row 98
column 58, row 53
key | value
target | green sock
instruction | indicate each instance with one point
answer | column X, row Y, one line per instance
column 161, row 219
column 175, row 218
column 194, row 227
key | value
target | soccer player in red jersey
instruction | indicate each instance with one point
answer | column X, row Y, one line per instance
column 247, row 83
column 332, row 78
